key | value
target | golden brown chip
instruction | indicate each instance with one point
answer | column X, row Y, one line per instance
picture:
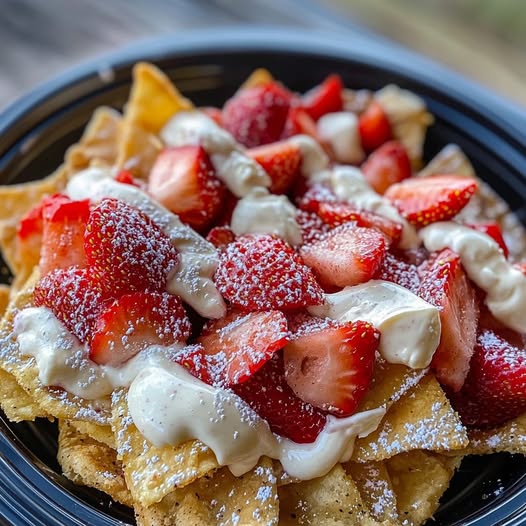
column 87, row 462
column 97, row 432
column 421, row 419
column 4, row 298
column 449, row 160
column 153, row 99
column 258, row 77
column 219, row 500
column 154, row 472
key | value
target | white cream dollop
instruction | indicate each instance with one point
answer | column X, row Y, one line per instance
column 340, row 131
column 409, row 326
column 486, row 265
column 261, row 212
column 314, row 161
column 198, row 258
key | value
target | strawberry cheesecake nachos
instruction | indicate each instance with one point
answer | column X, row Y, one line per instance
column 266, row 313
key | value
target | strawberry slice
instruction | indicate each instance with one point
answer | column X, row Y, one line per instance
column 220, row 236
column 311, row 226
column 63, row 226
column 243, row 343
column 424, row 200
column 310, row 199
column 74, row 296
column 336, row 214
column 257, row 115
column 400, row 272
column 445, row 285
column 299, row 122
column 126, row 250
column 492, row 230
column 324, row 98
column 184, row 181
column 29, row 236
column 262, row 272
column 493, row 392
column 387, row 165
column 330, row 364
column 374, row 127
column 135, row 321
column 347, row 255
column 194, row 358
column 281, row 160
column 269, row 395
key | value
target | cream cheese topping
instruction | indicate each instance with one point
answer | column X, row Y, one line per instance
column 198, row 258
column 486, row 265
column 409, row 326
column 261, row 212
column 340, row 131
column 314, row 161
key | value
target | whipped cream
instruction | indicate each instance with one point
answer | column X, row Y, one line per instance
column 314, row 161
column 238, row 171
column 169, row 406
column 261, row 212
column 409, row 326
column 340, row 131
column 485, row 264
column 198, row 258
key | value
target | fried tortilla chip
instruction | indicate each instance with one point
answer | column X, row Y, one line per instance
column 4, row 298
column 102, row 434
column 258, row 77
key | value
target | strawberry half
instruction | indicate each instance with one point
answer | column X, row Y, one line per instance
column 494, row 391
column 311, row 226
column 262, row 272
column 256, row 116
column 310, row 199
column 243, row 343
column 494, row 231
column 446, row 286
column 347, row 255
column 281, row 160
column 400, row 272
column 387, row 165
column 184, row 181
column 424, row 200
column 134, row 322
column 269, row 395
column 75, row 298
column 374, row 127
column 324, row 98
column 126, row 250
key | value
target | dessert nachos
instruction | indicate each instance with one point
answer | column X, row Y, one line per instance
column 269, row 313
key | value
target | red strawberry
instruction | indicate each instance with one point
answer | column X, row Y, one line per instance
column 126, row 250
column 424, row 200
column 243, row 343
column 299, row 122
column 257, row 115
column 134, row 322
column 262, row 272
column 445, row 285
column 488, row 321
column 269, row 395
column 330, row 364
column 494, row 391
column 313, row 196
column 492, row 230
column 324, row 98
column 194, row 358
column 220, row 236
column 74, row 297
column 227, row 209
column 184, row 181
column 312, row 227
column 387, row 165
column 29, row 236
column 374, row 127
column 400, row 272
column 127, row 177
column 336, row 214
column 63, row 227
column 281, row 160
column 347, row 255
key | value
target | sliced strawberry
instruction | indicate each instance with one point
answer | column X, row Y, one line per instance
column 424, row 200
column 256, row 116
column 347, row 255
column 243, row 343
column 126, row 250
column 262, row 272
column 330, row 364
column 299, row 122
column 311, row 226
column 29, row 236
column 184, row 181
column 374, row 127
column 494, row 391
column 74, row 296
column 220, row 236
column 269, row 395
column 400, row 272
column 194, row 358
column 445, row 285
column 387, row 165
column 63, row 228
column 492, row 230
column 281, row 160
column 324, row 98
column 336, row 214
column 311, row 198
column 134, row 322
column 214, row 113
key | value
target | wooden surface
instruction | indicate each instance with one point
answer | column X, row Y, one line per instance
column 40, row 38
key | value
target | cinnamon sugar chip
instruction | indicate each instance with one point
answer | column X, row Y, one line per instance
column 219, row 499
column 421, row 419
column 258, row 77
column 4, row 298
column 154, row 472
column 100, row 433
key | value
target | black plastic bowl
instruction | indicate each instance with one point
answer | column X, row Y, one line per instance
column 208, row 67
